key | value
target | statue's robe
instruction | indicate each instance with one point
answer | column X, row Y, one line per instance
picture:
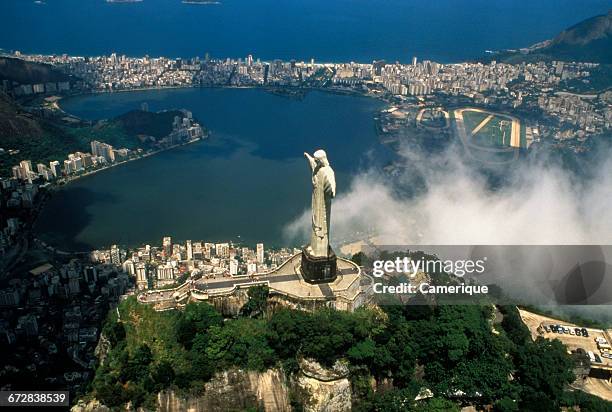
column 323, row 190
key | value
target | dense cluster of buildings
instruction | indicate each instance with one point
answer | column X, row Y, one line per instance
column 51, row 321
column 184, row 129
column 526, row 85
column 19, row 193
column 52, row 316
column 173, row 263
column 17, row 201
column 102, row 154
column 591, row 113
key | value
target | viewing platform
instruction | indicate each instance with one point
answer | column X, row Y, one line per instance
column 285, row 282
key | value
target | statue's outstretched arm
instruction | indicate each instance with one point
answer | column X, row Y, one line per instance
column 311, row 160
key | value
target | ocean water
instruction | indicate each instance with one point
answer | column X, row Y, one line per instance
column 327, row 30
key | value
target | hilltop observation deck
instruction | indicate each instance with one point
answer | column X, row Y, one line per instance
column 285, row 283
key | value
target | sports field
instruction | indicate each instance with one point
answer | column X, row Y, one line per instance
column 488, row 129
column 472, row 119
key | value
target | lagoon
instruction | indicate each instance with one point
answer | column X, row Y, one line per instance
column 244, row 184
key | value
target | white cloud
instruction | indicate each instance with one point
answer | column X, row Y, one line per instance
column 540, row 204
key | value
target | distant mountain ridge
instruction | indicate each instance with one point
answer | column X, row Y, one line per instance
column 585, row 32
column 587, row 41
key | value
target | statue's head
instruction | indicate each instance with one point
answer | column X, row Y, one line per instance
column 321, row 157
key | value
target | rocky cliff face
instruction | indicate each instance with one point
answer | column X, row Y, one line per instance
column 233, row 390
column 230, row 305
column 331, row 396
column 318, row 389
column 324, row 389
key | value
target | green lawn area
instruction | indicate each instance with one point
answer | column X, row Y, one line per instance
column 472, row 119
column 523, row 136
column 492, row 134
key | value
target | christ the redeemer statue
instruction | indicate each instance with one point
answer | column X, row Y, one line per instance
column 323, row 190
column 318, row 259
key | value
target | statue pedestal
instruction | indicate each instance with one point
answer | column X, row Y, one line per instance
column 317, row 269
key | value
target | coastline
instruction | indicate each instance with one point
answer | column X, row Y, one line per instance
column 57, row 106
column 348, row 92
column 56, row 186
column 68, row 180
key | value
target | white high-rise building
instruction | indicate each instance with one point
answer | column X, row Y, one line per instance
column 222, row 250
column 24, row 171
column 103, row 150
column 260, row 253
column 189, row 250
column 167, row 246
column 197, row 250
column 208, row 247
column 44, row 172
column 141, row 276
column 68, row 167
column 26, row 165
column 233, row 267
column 56, row 168
column 128, row 267
column 115, row 255
column 165, row 274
